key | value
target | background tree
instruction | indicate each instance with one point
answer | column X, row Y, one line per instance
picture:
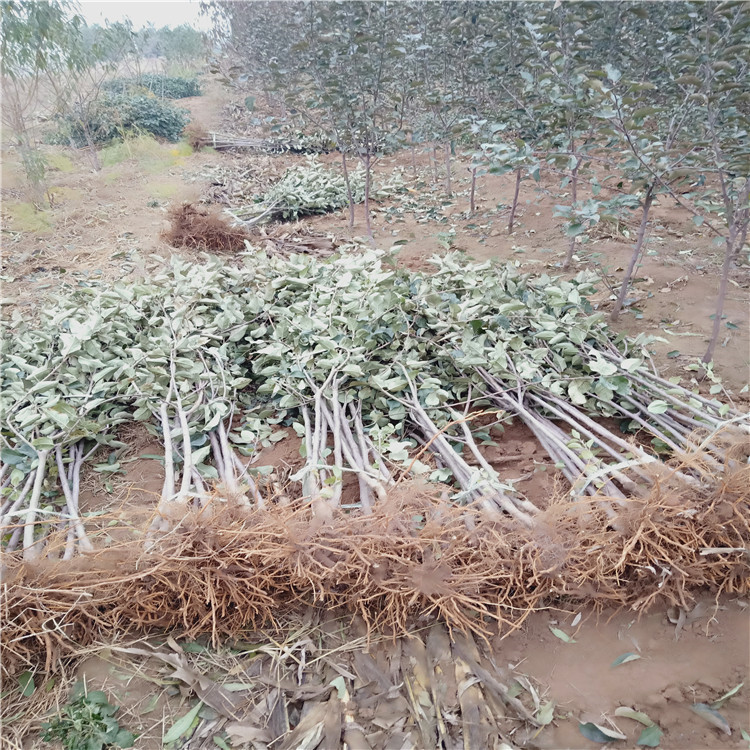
column 36, row 38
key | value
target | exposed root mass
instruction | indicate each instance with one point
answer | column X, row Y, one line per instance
column 414, row 558
column 199, row 229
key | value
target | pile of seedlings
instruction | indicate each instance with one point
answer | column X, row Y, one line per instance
column 383, row 373
column 312, row 188
column 299, row 144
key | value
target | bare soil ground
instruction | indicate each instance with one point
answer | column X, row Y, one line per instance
column 107, row 226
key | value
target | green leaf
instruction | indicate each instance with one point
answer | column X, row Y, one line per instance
column 650, row 736
column 658, row 406
column 577, row 390
column 712, row 716
column 183, row 725
column 201, row 453
column 209, row 472
column 124, row 738
column 26, row 683
column 630, row 713
column 545, row 714
column 220, row 742
column 562, row 635
column 625, row 658
column 598, row 733
column 340, row 685
column 724, row 698
column 631, row 364
column 98, row 697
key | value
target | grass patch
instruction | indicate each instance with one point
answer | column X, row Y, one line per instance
column 151, row 156
column 181, row 149
column 24, row 217
column 112, row 176
column 162, row 189
column 140, row 148
column 59, row 162
column 63, row 194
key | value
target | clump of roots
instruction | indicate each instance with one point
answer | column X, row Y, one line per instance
column 200, row 229
column 415, row 557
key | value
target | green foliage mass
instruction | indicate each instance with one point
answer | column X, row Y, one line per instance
column 165, row 87
column 312, row 188
column 264, row 327
column 117, row 115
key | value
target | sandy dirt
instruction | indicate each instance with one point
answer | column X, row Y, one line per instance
column 672, row 672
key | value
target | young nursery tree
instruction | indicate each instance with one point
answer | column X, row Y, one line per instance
column 78, row 88
column 36, row 38
column 559, row 92
column 653, row 148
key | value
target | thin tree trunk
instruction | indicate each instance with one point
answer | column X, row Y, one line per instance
column 367, row 199
column 472, row 206
column 732, row 246
column 434, row 163
column 93, row 154
column 635, row 256
column 574, row 196
column 448, row 188
column 515, row 201
column 413, row 156
column 348, row 190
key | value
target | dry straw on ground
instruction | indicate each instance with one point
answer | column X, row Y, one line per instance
column 415, row 559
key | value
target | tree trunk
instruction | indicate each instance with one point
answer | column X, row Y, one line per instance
column 472, row 206
column 434, row 163
column 734, row 242
column 413, row 156
column 574, row 196
column 448, row 188
column 367, row 199
column 636, row 254
column 91, row 146
column 348, row 190
column 515, row 201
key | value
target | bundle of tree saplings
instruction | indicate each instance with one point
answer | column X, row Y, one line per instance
column 313, row 188
column 381, row 372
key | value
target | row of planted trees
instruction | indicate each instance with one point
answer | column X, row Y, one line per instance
column 618, row 103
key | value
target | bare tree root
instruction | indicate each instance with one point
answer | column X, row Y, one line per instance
column 413, row 558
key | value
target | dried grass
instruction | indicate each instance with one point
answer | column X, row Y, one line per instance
column 413, row 560
column 200, row 229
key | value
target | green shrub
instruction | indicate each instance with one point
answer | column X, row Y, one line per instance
column 116, row 115
column 87, row 722
column 166, row 87
column 159, row 118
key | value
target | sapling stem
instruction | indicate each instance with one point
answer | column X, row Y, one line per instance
column 70, row 542
column 31, row 550
column 226, row 453
column 14, row 539
column 244, row 475
column 70, row 495
column 7, row 518
column 216, row 452
column 168, row 488
column 514, row 206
